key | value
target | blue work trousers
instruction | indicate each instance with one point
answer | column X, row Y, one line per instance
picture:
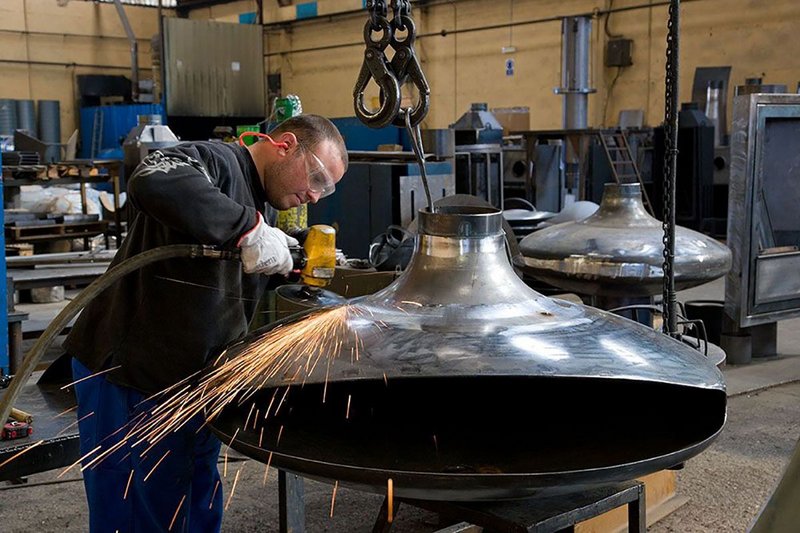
column 183, row 493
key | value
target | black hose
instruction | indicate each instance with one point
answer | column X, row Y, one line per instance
column 111, row 276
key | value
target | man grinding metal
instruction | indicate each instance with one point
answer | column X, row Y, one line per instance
column 164, row 322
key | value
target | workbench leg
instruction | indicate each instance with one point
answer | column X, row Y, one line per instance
column 292, row 505
column 84, row 210
column 14, row 347
column 117, row 213
column 637, row 513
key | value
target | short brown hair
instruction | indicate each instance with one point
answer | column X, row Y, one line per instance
column 311, row 130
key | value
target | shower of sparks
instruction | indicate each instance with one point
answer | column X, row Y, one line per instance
column 68, row 385
column 272, row 400
column 288, row 354
column 227, row 448
column 233, row 488
column 73, row 465
column 178, row 510
column 347, row 413
column 73, row 424
column 156, row 465
column 128, row 485
column 216, row 487
column 333, row 496
column 283, row 398
column 266, row 470
column 62, row 413
column 389, row 501
column 280, row 432
column 436, row 444
column 24, row 450
column 247, row 420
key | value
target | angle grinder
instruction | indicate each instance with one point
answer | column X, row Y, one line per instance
column 314, row 267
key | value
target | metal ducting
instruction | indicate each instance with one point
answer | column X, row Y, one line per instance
column 478, row 126
column 49, row 121
column 26, row 117
column 8, row 116
column 147, row 136
column 618, row 251
column 468, row 385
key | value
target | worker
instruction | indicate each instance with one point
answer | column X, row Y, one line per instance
column 165, row 322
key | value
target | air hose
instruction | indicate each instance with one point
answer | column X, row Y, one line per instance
column 192, row 251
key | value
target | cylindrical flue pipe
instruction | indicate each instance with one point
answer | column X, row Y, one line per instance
column 575, row 82
column 575, row 87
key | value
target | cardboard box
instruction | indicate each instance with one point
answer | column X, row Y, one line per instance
column 513, row 118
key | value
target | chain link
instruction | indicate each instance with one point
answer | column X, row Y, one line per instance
column 378, row 11
column 400, row 9
column 399, row 33
column 670, row 167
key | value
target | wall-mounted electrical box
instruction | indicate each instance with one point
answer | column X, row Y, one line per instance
column 618, row 53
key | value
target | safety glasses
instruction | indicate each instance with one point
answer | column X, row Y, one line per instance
column 319, row 179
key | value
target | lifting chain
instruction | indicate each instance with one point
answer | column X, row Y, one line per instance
column 670, row 167
column 399, row 33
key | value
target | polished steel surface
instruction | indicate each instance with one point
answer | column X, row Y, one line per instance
column 618, row 251
column 526, row 215
column 459, row 382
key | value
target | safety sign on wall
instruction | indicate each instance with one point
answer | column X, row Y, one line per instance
column 509, row 67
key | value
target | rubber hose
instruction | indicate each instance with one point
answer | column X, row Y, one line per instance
column 111, row 276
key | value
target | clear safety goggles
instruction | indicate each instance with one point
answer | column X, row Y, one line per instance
column 320, row 180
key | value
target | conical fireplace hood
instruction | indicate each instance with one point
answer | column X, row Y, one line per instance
column 459, row 382
column 618, row 251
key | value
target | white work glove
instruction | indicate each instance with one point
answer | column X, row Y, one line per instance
column 265, row 250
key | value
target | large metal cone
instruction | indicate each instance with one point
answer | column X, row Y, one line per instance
column 459, row 382
column 618, row 251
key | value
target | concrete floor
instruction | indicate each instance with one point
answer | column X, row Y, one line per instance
column 725, row 486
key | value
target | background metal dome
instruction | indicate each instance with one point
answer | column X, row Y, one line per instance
column 618, row 251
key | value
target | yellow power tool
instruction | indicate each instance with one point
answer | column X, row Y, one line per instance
column 315, row 262
column 316, row 259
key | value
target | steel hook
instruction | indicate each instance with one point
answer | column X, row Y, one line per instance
column 405, row 65
column 377, row 67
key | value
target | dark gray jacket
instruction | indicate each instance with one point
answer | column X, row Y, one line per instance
column 165, row 321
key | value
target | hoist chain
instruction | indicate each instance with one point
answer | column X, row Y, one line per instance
column 377, row 12
column 400, row 34
column 670, row 167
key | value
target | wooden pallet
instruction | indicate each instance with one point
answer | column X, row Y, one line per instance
column 25, row 172
column 72, row 170
column 55, row 231
column 19, row 250
column 53, row 171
